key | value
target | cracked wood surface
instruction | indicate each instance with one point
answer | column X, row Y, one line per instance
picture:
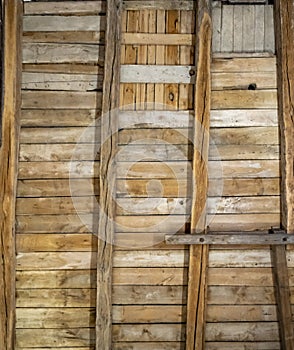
column 8, row 161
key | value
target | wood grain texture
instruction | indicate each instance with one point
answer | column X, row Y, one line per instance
column 110, row 104
column 198, row 260
column 8, row 174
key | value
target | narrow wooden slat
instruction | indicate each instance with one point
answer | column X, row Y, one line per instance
column 10, row 71
column 158, row 5
column 284, row 12
column 66, row 37
column 110, row 104
column 198, row 259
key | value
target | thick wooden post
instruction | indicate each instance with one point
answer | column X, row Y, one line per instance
column 8, row 168
column 284, row 26
column 199, row 254
column 110, row 104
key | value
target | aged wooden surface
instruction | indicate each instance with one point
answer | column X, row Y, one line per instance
column 8, row 158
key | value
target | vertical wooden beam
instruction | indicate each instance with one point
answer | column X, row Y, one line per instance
column 199, row 254
column 109, row 125
column 284, row 25
column 8, row 168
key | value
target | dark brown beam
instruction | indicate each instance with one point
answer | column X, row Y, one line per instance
column 109, row 127
column 198, row 260
column 284, row 24
column 8, row 168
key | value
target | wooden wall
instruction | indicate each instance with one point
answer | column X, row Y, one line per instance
column 61, row 98
column 62, row 81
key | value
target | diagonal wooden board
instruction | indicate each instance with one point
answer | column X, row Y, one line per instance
column 198, row 260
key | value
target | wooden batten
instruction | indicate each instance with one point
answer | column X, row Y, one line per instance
column 109, row 127
column 284, row 21
column 8, row 172
column 199, row 254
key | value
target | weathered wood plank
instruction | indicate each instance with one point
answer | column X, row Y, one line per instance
column 59, row 100
column 72, row 82
column 39, row 318
column 70, row 7
column 65, row 37
column 51, row 337
column 243, row 345
column 109, row 128
column 58, row 117
column 158, row 5
column 166, row 74
column 57, row 188
column 63, row 23
column 62, row 53
column 57, row 279
column 11, row 13
column 238, row 99
column 56, row 298
column 157, row 39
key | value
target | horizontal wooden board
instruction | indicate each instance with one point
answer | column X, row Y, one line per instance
column 154, row 119
column 65, row 37
column 241, row 313
column 150, row 276
column 238, row 99
column 62, row 8
column 240, row 295
column 63, row 82
column 244, row 64
column 149, row 345
column 243, row 222
column 57, row 117
column 55, row 298
column 243, row 345
column 55, row 261
column 62, row 53
column 245, row 136
column 156, row 295
column 157, row 74
column 239, row 205
column 58, row 100
column 153, row 206
column 243, row 81
column 59, row 23
column 58, row 188
column 55, row 318
column 52, row 337
column 58, row 170
column 56, row 279
column 158, row 5
column 59, row 153
column 240, row 276
column 148, row 314
column 55, row 223
column 244, row 168
column 55, row 242
column 75, row 135
column 150, row 136
column 257, row 331
column 148, row 332
column 228, row 118
column 67, row 68
column 157, row 39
